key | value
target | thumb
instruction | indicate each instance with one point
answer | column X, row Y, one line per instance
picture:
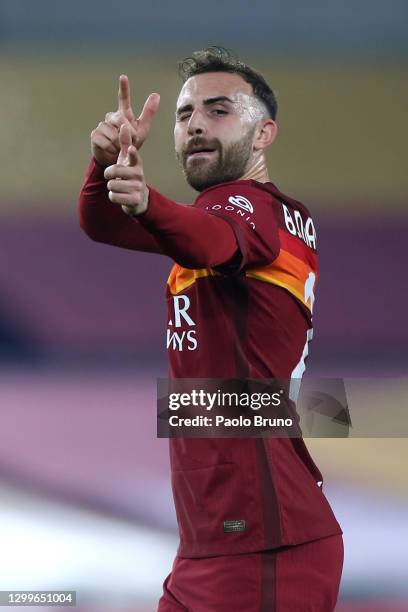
column 125, row 139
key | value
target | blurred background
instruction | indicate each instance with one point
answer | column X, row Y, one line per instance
column 85, row 499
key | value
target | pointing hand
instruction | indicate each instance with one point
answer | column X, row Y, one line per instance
column 126, row 183
column 105, row 138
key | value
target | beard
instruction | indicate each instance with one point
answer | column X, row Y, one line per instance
column 227, row 163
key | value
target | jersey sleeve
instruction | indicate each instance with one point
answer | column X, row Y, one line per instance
column 191, row 237
column 251, row 213
column 105, row 222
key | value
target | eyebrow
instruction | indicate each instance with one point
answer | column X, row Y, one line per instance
column 207, row 102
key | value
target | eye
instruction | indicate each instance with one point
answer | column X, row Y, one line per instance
column 219, row 111
column 183, row 116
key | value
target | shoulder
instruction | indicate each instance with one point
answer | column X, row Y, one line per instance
column 237, row 191
column 281, row 197
column 244, row 198
column 294, row 217
column 256, row 202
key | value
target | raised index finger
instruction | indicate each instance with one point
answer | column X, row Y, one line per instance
column 124, row 95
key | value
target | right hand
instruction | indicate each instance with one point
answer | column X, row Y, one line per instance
column 126, row 182
column 105, row 144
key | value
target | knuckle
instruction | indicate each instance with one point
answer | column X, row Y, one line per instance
column 115, row 117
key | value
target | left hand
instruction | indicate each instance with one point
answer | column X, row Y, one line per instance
column 126, row 184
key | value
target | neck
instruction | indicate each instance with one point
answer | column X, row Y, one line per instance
column 257, row 171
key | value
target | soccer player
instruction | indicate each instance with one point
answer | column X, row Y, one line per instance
column 256, row 531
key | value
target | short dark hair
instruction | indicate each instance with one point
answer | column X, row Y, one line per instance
column 219, row 59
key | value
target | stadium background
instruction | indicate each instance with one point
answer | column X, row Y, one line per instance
column 84, row 484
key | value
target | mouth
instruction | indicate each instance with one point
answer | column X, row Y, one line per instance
column 201, row 153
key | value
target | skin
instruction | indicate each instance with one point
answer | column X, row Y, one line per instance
column 235, row 128
column 219, row 111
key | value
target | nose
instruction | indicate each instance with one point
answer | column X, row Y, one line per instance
column 196, row 126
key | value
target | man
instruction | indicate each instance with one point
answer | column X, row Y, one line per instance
column 256, row 531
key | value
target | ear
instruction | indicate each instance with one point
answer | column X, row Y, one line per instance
column 265, row 134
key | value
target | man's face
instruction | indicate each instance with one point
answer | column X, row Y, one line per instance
column 216, row 119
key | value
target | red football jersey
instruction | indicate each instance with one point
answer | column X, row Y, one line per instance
column 252, row 320
column 240, row 303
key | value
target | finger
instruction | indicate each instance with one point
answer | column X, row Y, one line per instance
column 125, row 139
column 100, row 141
column 150, row 108
column 110, row 132
column 117, row 171
column 133, row 157
column 124, row 186
column 116, row 119
column 124, row 96
column 123, row 198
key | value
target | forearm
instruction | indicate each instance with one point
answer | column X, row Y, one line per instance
column 106, row 222
column 190, row 236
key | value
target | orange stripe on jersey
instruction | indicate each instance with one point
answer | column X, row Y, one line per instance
column 287, row 271
column 181, row 278
column 292, row 274
column 297, row 247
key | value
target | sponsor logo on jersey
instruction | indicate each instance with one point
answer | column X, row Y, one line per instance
column 177, row 339
column 238, row 204
column 305, row 230
column 241, row 202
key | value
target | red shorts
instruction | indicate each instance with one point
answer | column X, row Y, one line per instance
column 303, row 578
